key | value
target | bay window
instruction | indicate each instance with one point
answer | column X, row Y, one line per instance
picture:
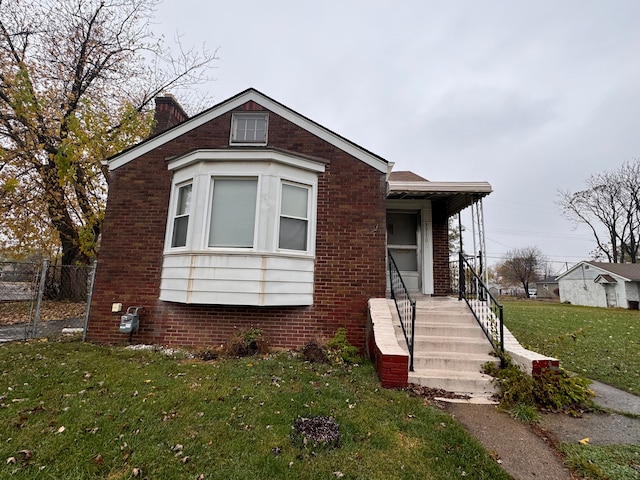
column 241, row 229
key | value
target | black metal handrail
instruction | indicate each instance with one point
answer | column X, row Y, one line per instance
column 404, row 304
column 483, row 305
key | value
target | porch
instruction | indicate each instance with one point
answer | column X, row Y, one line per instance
column 444, row 342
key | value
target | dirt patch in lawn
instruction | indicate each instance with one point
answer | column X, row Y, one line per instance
column 18, row 312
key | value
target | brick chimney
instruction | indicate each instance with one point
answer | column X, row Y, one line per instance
column 168, row 113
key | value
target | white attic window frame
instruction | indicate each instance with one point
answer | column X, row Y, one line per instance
column 249, row 128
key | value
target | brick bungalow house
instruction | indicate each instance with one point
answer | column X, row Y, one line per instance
column 250, row 214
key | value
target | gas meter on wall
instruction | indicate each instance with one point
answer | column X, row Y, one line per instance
column 130, row 321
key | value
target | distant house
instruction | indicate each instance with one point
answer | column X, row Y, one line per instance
column 547, row 288
column 250, row 214
column 600, row 284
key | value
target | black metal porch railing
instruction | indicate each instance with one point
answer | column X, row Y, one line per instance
column 483, row 305
column 404, row 304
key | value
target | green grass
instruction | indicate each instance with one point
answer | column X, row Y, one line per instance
column 76, row 411
column 599, row 343
column 621, row 462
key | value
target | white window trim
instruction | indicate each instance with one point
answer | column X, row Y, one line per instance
column 270, row 167
column 234, row 127
column 204, row 244
column 175, row 195
column 262, row 276
column 310, row 219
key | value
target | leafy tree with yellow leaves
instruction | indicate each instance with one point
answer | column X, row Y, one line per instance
column 77, row 80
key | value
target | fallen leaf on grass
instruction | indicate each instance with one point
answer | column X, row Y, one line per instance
column 26, row 453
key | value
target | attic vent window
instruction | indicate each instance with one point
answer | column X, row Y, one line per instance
column 249, row 129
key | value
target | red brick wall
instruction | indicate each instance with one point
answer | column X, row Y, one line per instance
column 441, row 274
column 350, row 250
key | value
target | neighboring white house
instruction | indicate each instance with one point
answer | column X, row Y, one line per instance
column 599, row 284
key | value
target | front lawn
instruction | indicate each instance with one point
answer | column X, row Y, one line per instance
column 599, row 343
column 74, row 410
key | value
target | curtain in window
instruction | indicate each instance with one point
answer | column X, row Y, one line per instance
column 233, row 212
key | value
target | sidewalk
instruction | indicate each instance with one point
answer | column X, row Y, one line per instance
column 527, row 453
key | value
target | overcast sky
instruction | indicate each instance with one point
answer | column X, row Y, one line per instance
column 532, row 97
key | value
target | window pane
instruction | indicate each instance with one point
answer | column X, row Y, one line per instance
column 293, row 234
column 406, row 260
column 180, row 225
column 233, row 212
column 402, row 228
column 293, row 217
column 241, row 129
column 181, row 220
column 184, row 200
column 250, row 128
column 294, row 201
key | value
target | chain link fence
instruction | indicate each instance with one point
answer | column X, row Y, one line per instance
column 40, row 300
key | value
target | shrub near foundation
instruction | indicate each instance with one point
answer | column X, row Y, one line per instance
column 337, row 350
column 340, row 351
column 245, row 343
column 555, row 391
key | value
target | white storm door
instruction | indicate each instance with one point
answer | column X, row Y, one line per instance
column 402, row 241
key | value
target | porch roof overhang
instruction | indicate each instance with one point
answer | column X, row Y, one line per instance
column 605, row 279
column 457, row 195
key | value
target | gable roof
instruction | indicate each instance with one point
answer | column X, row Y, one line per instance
column 548, row 280
column 629, row 272
column 270, row 104
column 604, row 278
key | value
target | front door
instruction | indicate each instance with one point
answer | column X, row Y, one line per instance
column 610, row 294
column 402, row 241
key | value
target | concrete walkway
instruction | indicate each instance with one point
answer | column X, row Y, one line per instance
column 616, row 400
column 611, row 428
column 528, row 453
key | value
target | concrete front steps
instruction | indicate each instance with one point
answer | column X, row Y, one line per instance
column 450, row 348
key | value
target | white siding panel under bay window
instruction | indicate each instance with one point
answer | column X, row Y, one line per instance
column 260, row 280
column 250, row 237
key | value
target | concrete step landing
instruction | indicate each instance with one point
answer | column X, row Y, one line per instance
column 450, row 348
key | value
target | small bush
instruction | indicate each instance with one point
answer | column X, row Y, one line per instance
column 314, row 352
column 561, row 391
column 340, row 351
column 555, row 390
column 245, row 343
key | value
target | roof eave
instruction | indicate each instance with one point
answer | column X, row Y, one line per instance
column 232, row 103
